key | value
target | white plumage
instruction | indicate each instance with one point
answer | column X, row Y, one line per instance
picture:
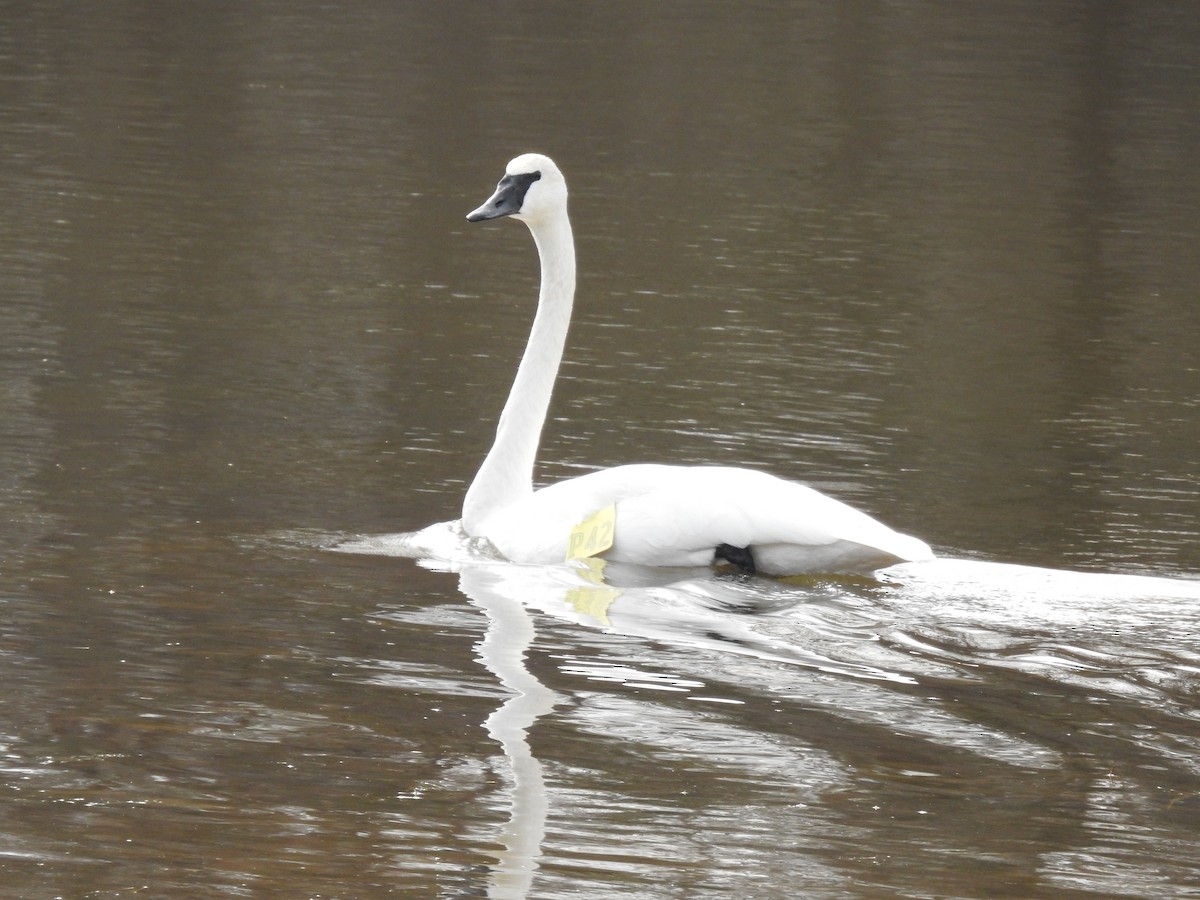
column 665, row 515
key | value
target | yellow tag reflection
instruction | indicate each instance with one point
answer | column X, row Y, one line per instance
column 593, row 601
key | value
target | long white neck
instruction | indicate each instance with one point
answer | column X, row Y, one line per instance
column 506, row 475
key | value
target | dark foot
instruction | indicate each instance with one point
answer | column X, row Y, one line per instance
column 738, row 556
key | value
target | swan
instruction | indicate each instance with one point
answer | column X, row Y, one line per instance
column 648, row 514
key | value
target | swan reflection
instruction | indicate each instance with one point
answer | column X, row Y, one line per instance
column 886, row 661
column 702, row 611
column 509, row 635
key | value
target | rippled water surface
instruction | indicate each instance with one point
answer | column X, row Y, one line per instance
column 935, row 259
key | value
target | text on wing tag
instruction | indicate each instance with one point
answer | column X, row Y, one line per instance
column 594, row 534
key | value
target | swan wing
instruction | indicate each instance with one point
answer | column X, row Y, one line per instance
column 679, row 515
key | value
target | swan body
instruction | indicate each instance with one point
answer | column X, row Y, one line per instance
column 664, row 515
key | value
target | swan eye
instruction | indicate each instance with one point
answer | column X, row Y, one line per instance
column 511, row 191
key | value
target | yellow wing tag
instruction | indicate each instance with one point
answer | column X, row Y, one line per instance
column 594, row 534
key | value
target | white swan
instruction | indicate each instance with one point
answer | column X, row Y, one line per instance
column 656, row 514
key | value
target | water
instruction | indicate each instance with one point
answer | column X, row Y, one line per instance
column 936, row 261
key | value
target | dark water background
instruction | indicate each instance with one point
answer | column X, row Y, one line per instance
column 938, row 259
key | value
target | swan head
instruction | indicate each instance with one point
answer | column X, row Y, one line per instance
column 532, row 189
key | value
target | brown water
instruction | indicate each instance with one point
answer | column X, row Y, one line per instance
column 936, row 259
